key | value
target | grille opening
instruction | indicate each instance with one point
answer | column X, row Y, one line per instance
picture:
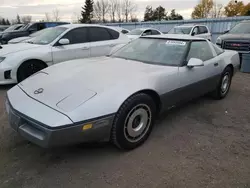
column 7, row 74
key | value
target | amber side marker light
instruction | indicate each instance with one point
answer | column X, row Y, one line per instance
column 87, row 126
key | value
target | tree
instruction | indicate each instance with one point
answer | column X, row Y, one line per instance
column 18, row 20
column 119, row 11
column 3, row 22
column 7, row 22
column 98, row 11
column 26, row 19
column 128, row 8
column 112, row 9
column 246, row 10
column 203, row 9
column 148, row 15
column 47, row 17
column 234, row 8
column 159, row 13
column 104, row 9
column 56, row 16
column 87, row 12
column 175, row 16
column 217, row 10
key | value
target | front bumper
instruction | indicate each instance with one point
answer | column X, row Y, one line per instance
column 48, row 137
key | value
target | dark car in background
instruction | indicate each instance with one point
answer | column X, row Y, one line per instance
column 11, row 28
column 27, row 30
column 3, row 27
column 238, row 38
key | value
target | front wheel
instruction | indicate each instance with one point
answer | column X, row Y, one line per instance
column 28, row 68
column 223, row 87
column 134, row 121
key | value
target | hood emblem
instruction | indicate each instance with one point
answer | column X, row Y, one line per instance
column 38, row 91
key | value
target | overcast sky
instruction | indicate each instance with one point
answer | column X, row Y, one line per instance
column 68, row 9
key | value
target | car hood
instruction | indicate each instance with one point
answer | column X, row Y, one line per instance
column 19, row 39
column 67, row 85
column 13, row 48
column 235, row 37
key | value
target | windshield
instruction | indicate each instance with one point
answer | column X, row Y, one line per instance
column 180, row 30
column 241, row 28
column 39, row 32
column 135, row 32
column 25, row 26
column 48, row 36
column 154, row 51
column 13, row 27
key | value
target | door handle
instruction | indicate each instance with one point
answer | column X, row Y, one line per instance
column 85, row 48
column 216, row 64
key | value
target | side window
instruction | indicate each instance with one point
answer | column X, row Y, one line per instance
column 200, row 50
column 217, row 49
column 195, row 31
column 33, row 27
column 77, row 36
column 41, row 26
column 99, row 34
column 203, row 29
column 147, row 32
column 124, row 31
column 114, row 34
column 154, row 32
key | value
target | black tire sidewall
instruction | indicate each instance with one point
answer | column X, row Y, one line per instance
column 21, row 70
column 118, row 127
column 229, row 72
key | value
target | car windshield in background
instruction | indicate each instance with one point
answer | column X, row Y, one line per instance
column 135, row 32
column 25, row 26
column 241, row 28
column 180, row 30
column 48, row 36
column 154, row 51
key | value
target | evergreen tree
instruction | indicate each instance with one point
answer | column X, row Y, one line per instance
column 18, row 19
column 7, row 22
column 4, row 22
column 175, row 16
column 87, row 12
column 148, row 15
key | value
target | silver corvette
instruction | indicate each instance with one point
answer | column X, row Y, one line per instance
column 117, row 98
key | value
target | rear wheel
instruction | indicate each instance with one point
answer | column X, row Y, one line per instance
column 28, row 68
column 224, row 85
column 133, row 122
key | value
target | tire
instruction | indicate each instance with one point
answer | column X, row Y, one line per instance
column 28, row 68
column 133, row 122
column 223, row 87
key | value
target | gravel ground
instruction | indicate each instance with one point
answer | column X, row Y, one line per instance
column 205, row 143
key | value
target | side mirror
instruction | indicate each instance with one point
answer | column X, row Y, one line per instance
column 194, row 62
column 226, row 31
column 31, row 31
column 63, row 41
column 193, row 34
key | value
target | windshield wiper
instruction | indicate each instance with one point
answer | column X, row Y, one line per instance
column 30, row 42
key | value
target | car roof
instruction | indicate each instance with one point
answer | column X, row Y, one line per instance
column 190, row 25
column 174, row 36
column 145, row 28
column 72, row 26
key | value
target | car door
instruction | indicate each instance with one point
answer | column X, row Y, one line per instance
column 79, row 46
column 197, row 81
column 102, row 40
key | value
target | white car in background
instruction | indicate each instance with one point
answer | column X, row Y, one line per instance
column 122, row 30
column 25, row 39
column 58, row 44
column 192, row 30
column 136, row 33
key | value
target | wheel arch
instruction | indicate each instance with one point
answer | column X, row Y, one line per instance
column 34, row 59
column 154, row 95
column 231, row 67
